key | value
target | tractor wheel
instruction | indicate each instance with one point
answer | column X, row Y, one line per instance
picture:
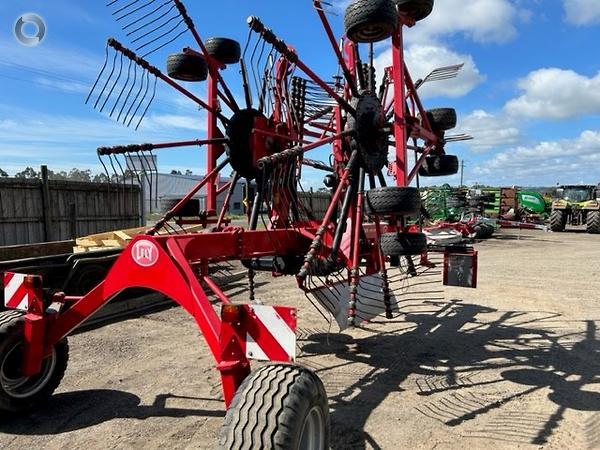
column 415, row 9
column 370, row 20
column 593, row 222
column 226, row 51
column 439, row 166
column 403, row 201
column 403, row 244
column 278, row 406
column 19, row 394
column 442, row 119
column 558, row 220
column 187, row 67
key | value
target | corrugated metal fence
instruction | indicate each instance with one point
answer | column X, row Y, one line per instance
column 33, row 211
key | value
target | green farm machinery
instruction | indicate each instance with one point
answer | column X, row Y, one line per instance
column 576, row 206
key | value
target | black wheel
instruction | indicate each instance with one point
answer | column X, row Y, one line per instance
column 403, row 244
column 278, row 406
column 370, row 20
column 404, row 201
column 442, row 119
column 439, row 166
column 558, row 220
column 19, row 394
column 187, row 67
column 226, row 51
column 239, row 150
column 415, row 9
column 483, row 231
column 593, row 222
column 85, row 279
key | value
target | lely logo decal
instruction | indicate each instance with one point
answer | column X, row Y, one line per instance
column 145, row 253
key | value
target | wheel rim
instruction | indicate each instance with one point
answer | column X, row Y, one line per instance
column 17, row 386
column 313, row 431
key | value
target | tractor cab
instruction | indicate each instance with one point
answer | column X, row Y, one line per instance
column 576, row 205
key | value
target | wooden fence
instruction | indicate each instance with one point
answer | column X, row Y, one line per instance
column 317, row 202
column 34, row 211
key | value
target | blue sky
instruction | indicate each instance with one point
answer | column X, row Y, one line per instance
column 529, row 92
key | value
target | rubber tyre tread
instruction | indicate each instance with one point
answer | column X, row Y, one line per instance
column 403, row 201
column 439, row 166
column 187, row 67
column 265, row 410
column 11, row 331
column 558, row 220
column 403, row 244
column 224, row 50
column 361, row 13
column 442, row 119
column 415, row 9
column 593, row 222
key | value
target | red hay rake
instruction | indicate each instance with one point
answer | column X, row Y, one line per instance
column 342, row 261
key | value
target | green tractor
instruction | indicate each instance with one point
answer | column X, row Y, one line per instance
column 576, row 205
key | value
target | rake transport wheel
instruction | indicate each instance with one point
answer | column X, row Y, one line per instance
column 442, row 119
column 415, row 9
column 558, row 220
column 439, row 166
column 369, row 21
column 187, row 67
column 278, row 406
column 18, row 393
column 393, row 200
column 403, row 244
column 593, row 222
column 224, row 50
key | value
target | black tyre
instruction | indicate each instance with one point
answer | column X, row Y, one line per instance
column 404, row 201
column 403, row 244
column 442, row 119
column 415, row 9
column 187, row 67
column 558, row 220
column 370, row 20
column 19, row 394
column 593, row 222
column 278, row 406
column 226, row 51
column 483, row 231
column 439, row 166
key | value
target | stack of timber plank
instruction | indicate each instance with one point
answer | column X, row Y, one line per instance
column 117, row 239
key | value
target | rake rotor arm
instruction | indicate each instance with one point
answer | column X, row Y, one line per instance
column 267, row 34
column 292, row 153
column 158, row 74
column 124, row 149
column 342, row 62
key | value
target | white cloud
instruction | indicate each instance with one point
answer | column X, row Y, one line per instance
column 556, row 94
column 479, row 20
column 549, row 162
column 582, row 12
column 422, row 59
column 489, row 130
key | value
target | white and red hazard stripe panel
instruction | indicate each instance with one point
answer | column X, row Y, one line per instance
column 16, row 294
column 271, row 334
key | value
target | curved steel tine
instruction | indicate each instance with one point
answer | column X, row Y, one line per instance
column 123, row 184
column 108, row 183
column 141, row 102
column 155, row 171
column 114, row 108
column 139, row 8
column 128, row 96
column 116, row 83
column 114, row 65
column 136, row 21
column 134, row 102
column 158, row 27
column 116, row 175
column 99, row 76
column 166, row 43
column 149, row 104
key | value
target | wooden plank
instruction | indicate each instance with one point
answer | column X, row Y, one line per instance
column 35, row 251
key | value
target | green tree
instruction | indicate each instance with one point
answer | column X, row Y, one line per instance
column 29, row 173
column 3, row 174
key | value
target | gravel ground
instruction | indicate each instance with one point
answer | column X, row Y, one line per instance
column 513, row 364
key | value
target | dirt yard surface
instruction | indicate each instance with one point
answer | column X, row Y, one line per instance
column 513, row 364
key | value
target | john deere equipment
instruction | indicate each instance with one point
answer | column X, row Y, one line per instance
column 576, row 205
